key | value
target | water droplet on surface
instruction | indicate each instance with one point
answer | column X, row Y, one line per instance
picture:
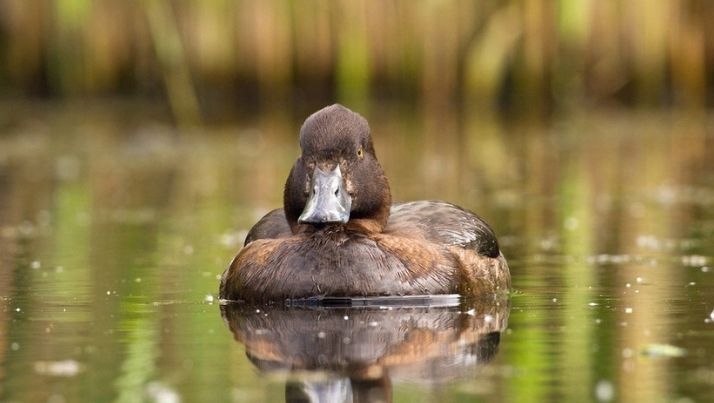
column 66, row 368
column 663, row 350
column 68, row 168
column 571, row 223
column 627, row 352
column 160, row 393
column 604, row 391
column 694, row 260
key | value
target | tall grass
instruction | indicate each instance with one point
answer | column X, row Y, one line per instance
column 530, row 55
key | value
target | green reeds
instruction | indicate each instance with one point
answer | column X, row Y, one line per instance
column 532, row 55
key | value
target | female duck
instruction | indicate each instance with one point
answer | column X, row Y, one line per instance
column 339, row 234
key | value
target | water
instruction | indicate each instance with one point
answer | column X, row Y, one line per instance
column 113, row 233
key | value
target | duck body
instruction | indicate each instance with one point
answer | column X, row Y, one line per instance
column 339, row 234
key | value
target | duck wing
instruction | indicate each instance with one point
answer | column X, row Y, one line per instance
column 443, row 223
column 273, row 225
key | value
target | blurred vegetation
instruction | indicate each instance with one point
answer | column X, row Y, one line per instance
column 531, row 56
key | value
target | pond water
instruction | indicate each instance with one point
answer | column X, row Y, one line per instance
column 114, row 229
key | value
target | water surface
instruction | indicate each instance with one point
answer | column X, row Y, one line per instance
column 113, row 233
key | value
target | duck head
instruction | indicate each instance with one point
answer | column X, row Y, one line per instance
column 337, row 178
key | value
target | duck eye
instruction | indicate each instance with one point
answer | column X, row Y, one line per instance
column 360, row 152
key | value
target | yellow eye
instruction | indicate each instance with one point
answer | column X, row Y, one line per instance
column 360, row 153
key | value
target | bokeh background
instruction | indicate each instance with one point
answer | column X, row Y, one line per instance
column 141, row 139
column 207, row 58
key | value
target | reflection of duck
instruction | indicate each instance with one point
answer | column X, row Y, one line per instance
column 359, row 351
column 340, row 235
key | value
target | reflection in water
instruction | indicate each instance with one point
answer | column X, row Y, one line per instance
column 111, row 231
column 353, row 354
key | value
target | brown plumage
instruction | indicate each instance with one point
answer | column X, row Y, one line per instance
column 339, row 234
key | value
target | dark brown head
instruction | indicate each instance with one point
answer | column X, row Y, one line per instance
column 337, row 179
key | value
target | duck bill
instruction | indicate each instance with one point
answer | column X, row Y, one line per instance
column 328, row 202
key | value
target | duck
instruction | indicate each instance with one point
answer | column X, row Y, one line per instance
column 339, row 234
